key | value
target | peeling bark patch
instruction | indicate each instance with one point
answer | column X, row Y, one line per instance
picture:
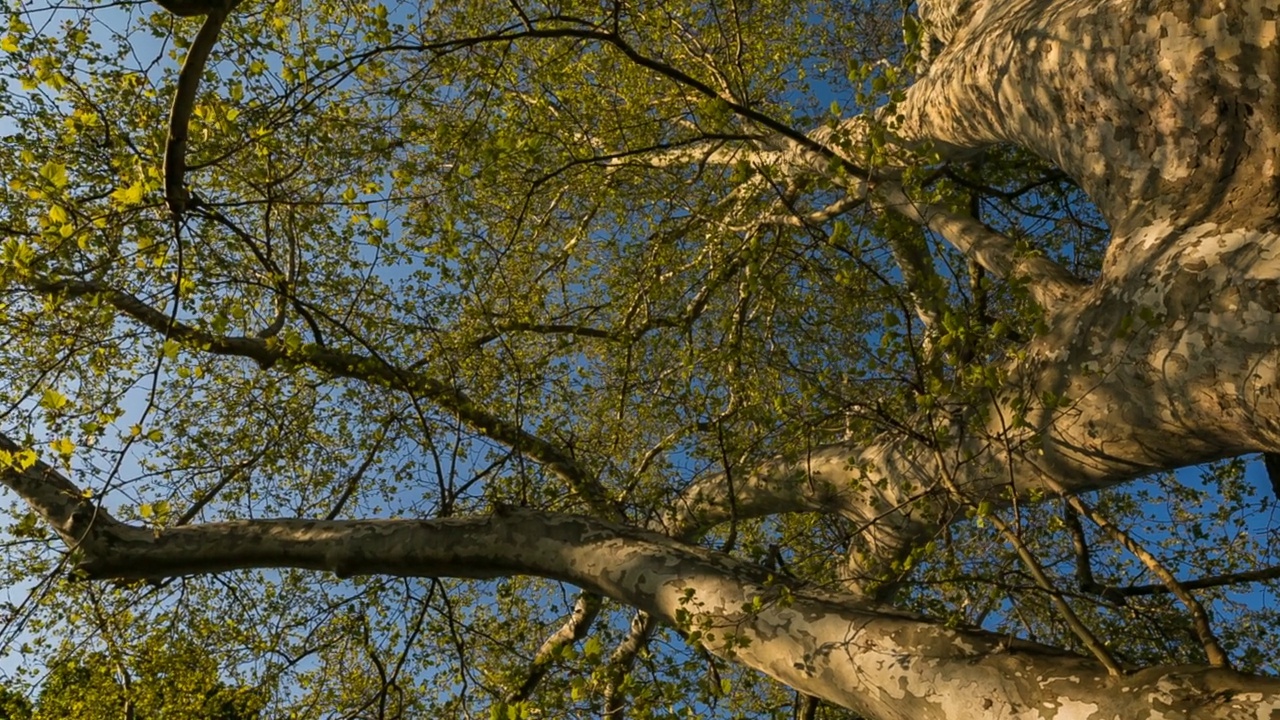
column 1067, row 708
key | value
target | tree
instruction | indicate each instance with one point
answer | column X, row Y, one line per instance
column 14, row 706
column 173, row 680
column 852, row 349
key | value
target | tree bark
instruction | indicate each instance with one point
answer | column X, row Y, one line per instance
column 1164, row 113
column 879, row 662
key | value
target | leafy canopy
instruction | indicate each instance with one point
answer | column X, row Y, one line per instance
column 501, row 253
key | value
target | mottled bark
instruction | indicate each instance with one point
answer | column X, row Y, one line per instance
column 881, row 662
column 1164, row 112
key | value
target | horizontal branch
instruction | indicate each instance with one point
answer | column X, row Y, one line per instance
column 822, row 644
column 828, row 645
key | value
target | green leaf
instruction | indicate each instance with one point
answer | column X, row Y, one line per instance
column 51, row 399
column 55, row 173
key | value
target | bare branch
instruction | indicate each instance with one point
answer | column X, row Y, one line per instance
column 1081, row 631
column 1199, row 618
column 816, row 217
column 1237, row 578
column 284, row 285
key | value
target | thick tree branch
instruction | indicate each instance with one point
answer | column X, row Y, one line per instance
column 184, row 96
column 1050, row 428
column 851, row 652
column 67, row 509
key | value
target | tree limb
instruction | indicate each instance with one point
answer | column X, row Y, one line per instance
column 585, row 610
column 1050, row 285
column 738, row 610
column 184, row 96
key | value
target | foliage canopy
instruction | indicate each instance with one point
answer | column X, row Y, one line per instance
column 451, row 258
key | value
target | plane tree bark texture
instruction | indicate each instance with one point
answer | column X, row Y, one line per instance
column 1165, row 113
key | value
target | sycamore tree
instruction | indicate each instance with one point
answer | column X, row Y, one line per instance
column 741, row 358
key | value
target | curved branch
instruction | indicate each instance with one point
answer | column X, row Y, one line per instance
column 585, row 610
column 284, row 286
column 184, row 96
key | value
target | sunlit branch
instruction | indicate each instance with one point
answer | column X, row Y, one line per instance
column 1199, row 618
column 777, row 486
column 656, row 574
column 585, row 610
column 1086, row 636
column 1050, row 285
column 816, row 217
column 67, row 509
column 622, row 659
column 184, row 99
column 704, row 150
column 924, row 286
column 1209, row 581
column 739, row 610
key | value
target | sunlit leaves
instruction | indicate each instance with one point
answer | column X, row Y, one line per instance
column 53, row 400
column 19, row 461
column 154, row 434
column 55, row 173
